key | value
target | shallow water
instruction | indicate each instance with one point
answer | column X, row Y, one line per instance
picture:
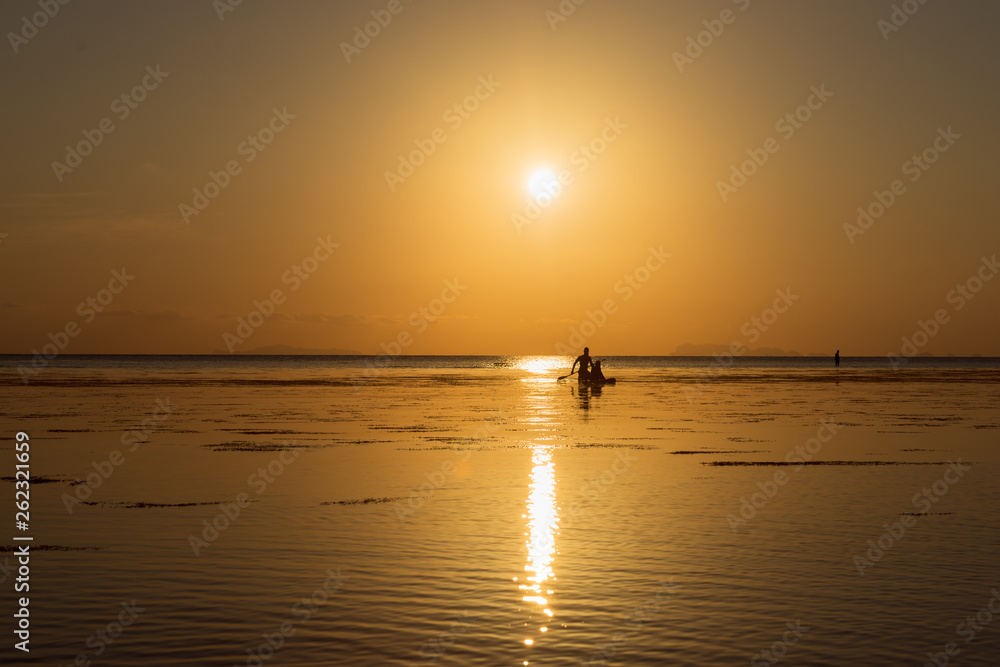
column 445, row 510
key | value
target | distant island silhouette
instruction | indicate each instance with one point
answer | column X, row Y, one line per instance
column 709, row 349
column 288, row 349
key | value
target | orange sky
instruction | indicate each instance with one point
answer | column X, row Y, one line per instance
column 401, row 166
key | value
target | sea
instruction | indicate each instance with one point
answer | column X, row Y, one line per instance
column 478, row 510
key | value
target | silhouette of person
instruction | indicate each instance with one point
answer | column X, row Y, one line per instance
column 836, row 359
column 585, row 363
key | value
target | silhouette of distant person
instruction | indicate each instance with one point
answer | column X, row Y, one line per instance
column 836, row 359
column 596, row 374
column 585, row 363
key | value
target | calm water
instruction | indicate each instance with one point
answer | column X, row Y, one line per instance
column 510, row 519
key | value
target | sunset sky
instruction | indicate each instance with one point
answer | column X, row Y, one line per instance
column 492, row 101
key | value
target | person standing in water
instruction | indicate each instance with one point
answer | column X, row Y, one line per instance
column 836, row 359
column 585, row 363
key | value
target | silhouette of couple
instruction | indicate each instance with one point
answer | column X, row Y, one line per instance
column 589, row 370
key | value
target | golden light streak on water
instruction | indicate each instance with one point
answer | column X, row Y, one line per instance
column 541, row 364
column 543, row 526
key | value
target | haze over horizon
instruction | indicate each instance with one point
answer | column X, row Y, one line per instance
column 193, row 176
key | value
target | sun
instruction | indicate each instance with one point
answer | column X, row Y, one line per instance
column 544, row 183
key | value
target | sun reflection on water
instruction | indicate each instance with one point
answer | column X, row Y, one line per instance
column 541, row 365
column 543, row 526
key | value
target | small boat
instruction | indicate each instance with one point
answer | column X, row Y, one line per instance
column 588, row 380
column 592, row 381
